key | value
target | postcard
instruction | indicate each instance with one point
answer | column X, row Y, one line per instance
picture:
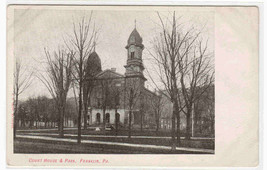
column 132, row 86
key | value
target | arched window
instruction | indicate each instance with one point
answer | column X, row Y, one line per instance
column 107, row 118
column 98, row 118
column 88, row 119
column 132, row 55
column 117, row 118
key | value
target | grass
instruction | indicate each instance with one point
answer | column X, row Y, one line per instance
column 23, row 145
column 43, row 146
column 199, row 143
column 121, row 132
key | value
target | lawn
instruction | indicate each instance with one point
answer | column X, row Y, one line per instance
column 110, row 137
column 121, row 132
column 22, row 145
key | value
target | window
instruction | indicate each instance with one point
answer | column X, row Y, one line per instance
column 88, row 119
column 98, row 118
column 117, row 118
column 132, row 55
column 107, row 117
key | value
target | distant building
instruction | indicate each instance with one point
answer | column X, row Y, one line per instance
column 166, row 116
column 203, row 114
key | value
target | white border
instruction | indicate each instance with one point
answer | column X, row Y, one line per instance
column 137, row 2
column 262, row 63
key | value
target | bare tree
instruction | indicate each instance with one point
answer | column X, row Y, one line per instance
column 204, row 110
column 196, row 76
column 31, row 110
column 179, row 57
column 87, row 90
column 57, row 79
column 105, row 84
column 22, row 81
column 166, row 53
column 115, row 98
column 157, row 103
column 105, row 93
column 82, row 42
column 133, row 93
column 92, row 69
column 22, row 114
column 211, row 109
column 142, row 110
column 116, row 105
column 145, row 106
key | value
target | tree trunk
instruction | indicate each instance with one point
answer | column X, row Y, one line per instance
column 15, row 114
column 15, row 126
column 157, row 121
column 187, row 136
column 85, row 111
column 61, row 121
column 104, row 117
column 130, row 122
column 79, row 113
column 142, row 121
column 173, row 132
column 157, row 128
column 178, row 134
column 116, row 122
column 22, row 122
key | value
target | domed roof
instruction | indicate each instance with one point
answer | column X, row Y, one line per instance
column 135, row 39
column 93, row 64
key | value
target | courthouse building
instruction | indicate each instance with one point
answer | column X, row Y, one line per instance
column 123, row 93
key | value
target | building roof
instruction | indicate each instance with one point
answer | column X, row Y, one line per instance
column 93, row 66
column 108, row 73
column 135, row 39
column 93, row 57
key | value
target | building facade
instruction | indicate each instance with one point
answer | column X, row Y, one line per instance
column 114, row 96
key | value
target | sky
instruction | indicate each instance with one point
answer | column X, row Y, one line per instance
column 39, row 28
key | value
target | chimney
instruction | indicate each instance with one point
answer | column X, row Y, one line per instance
column 113, row 69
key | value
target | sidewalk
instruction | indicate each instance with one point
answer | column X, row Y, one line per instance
column 32, row 130
column 116, row 143
column 120, row 136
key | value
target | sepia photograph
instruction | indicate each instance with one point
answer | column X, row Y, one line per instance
column 100, row 82
column 132, row 86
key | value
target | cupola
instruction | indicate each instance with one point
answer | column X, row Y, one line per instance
column 135, row 39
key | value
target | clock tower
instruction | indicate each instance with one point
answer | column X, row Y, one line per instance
column 134, row 67
column 134, row 78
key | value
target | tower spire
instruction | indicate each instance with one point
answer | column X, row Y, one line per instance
column 94, row 44
column 135, row 23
